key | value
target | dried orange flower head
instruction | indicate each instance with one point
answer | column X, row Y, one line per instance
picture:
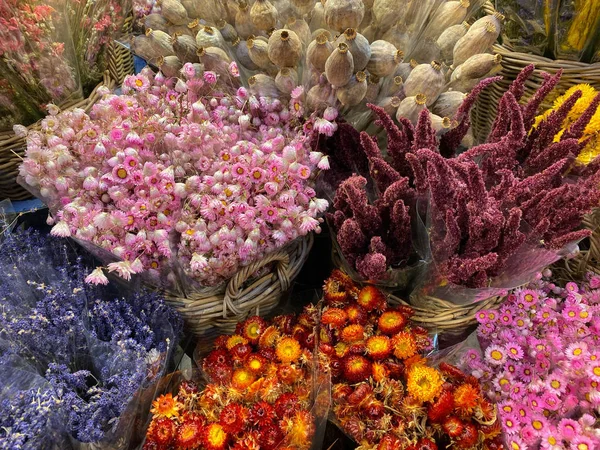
column 466, row 398
column 288, row 350
column 242, row 378
column 233, row 418
column 256, row 363
column 379, row 372
column 356, row 368
column 190, row 432
column 300, row 429
column 269, row 337
column 404, row 344
column 334, row 293
column 234, row 340
column 391, row 322
column 424, row 383
column 215, row 437
column 162, row 430
column 379, row 347
column 370, row 298
column 352, row 333
column 165, row 406
column 356, row 314
column 335, row 317
column 253, row 328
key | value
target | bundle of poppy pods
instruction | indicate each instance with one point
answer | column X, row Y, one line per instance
column 385, row 394
column 260, row 393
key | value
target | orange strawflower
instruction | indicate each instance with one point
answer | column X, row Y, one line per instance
column 242, row 378
column 165, row 406
column 466, row 398
column 353, row 333
column 379, row 372
column 404, row 344
column 300, row 429
column 379, row 347
column 288, row 350
column 235, row 340
column 215, row 437
column 269, row 337
column 424, row 383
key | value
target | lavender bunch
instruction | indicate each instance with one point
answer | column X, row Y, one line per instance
column 94, row 348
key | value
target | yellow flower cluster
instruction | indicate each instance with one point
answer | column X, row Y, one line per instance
column 592, row 131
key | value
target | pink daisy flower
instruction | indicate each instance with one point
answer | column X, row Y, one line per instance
column 572, row 287
column 496, row 355
column 525, row 373
column 576, row 351
column 482, row 317
column 514, row 351
column 569, row 429
column 551, row 439
column 582, row 443
column 503, row 382
column 511, row 424
column 571, row 313
column 550, row 401
column 506, row 407
column 556, row 382
column 516, row 443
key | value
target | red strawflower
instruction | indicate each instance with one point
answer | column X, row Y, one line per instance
column 253, row 328
column 356, row 314
column 426, row 444
column 267, row 353
column 334, row 293
column 391, row 322
column 233, row 418
column 379, row 347
column 286, row 405
column 152, row 445
column 262, row 414
column 215, row 437
column 374, row 409
column 162, row 431
column 218, row 366
column 335, row 317
column 256, row 363
column 395, row 369
column 370, row 298
column 356, row 368
column 190, row 432
column 491, row 431
column 389, row 442
column 352, row 333
column 453, row 426
column 242, row 378
column 270, row 436
column 221, row 342
column 452, row 372
column 339, row 392
column 240, row 352
column 187, row 388
column 285, row 323
column 469, row 436
column 441, row 407
column 362, row 392
column 466, row 398
column 269, row 337
column 289, row 374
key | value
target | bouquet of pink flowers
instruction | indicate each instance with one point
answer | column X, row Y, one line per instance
column 193, row 175
column 542, row 365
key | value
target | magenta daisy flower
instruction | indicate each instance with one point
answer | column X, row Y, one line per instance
column 506, row 408
column 516, row 443
column 551, row 401
column 517, row 390
column 545, row 315
column 510, row 424
column 514, row 351
column 495, row 355
column 525, row 373
column 572, row 287
column 529, row 296
column 534, row 403
column 551, row 439
column 582, row 443
column 482, row 317
column 576, row 351
column 556, row 382
column 571, row 313
column 506, row 319
column 569, row 429
column 120, row 173
column 503, row 382
column 592, row 369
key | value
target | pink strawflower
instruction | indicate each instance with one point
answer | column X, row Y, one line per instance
column 97, row 277
column 496, row 355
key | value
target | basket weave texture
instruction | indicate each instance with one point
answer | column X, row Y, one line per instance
column 212, row 312
column 12, row 147
column 588, row 259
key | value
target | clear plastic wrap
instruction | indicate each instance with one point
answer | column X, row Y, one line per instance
column 577, row 23
column 530, row 25
column 38, row 62
column 94, row 347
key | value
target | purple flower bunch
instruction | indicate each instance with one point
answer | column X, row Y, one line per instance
column 92, row 347
column 541, row 364
column 489, row 206
column 196, row 171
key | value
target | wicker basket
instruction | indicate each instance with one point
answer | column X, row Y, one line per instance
column 12, row 147
column 444, row 316
column 120, row 58
column 574, row 72
column 211, row 313
column 588, row 259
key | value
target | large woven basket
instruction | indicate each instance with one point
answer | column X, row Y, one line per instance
column 574, row 72
column 12, row 147
column 210, row 313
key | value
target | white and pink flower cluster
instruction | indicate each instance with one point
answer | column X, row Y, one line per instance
column 179, row 170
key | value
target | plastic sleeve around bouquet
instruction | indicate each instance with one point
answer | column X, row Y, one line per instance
column 577, row 23
column 529, row 25
column 518, row 267
column 38, row 62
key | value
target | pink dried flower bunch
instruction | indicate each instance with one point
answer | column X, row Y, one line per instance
column 541, row 363
column 175, row 169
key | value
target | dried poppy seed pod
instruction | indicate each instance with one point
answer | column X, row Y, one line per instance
column 441, row 125
column 317, row 18
column 358, row 45
column 426, row 79
column 192, row 7
column 339, row 67
column 448, row 14
column 227, row 30
column 318, row 51
column 263, row 85
column 426, row 51
column 390, row 104
column 286, row 80
column 411, row 107
column 156, row 22
column 320, row 96
column 384, row 58
column 185, row 47
column 264, row 15
column 448, row 40
column 210, row 37
column 301, row 28
column 354, row 91
column 448, row 103
column 392, row 86
column 497, row 19
column 404, row 69
column 242, row 54
column 315, row 34
column 194, row 26
column 173, row 11
column 476, row 66
column 215, row 59
column 284, row 48
column 258, row 50
column 303, row 6
column 474, row 42
column 398, row 36
column 243, row 22
column 169, row 66
column 161, row 43
column 373, row 88
column 342, row 14
column 142, row 46
column 212, row 10
column 387, row 12
column 181, row 30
